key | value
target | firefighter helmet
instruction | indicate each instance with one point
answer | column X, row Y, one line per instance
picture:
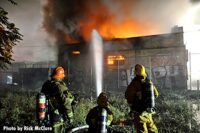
column 140, row 70
column 102, row 100
column 58, row 73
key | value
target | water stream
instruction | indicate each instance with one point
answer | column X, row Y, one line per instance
column 97, row 53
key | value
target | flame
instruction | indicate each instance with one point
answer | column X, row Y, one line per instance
column 112, row 58
column 76, row 24
column 110, row 29
column 124, row 29
column 77, row 52
column 109, row 25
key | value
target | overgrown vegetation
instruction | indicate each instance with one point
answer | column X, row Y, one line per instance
column 18, row 110
column 175, row 113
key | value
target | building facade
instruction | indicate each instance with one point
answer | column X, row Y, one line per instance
column 164, row 56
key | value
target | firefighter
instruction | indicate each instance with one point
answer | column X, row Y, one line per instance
column 99, row 117
column 60, row 100
column 140, row 95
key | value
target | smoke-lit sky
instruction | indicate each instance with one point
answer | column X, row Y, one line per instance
column 42, row 20
column 36, row 45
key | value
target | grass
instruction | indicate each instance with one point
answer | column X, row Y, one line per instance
column 174, row 111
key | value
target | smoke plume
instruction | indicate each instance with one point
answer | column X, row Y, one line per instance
column 72, row 21
column 35, row 46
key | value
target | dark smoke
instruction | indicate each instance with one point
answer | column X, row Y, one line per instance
column 63, row 17
column 195, row 1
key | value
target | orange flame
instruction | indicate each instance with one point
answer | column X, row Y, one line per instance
column 110, row 29
column 111, row 59
column 74, row 20
column 109, row 25
column 76, row 52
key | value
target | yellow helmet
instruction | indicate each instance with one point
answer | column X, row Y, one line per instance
column 140, row 70
column 102, row 100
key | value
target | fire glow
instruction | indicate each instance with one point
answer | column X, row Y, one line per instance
column 112, row 58
column 111, row 19
column 110, row 29
column 108, row 24
column 76, row 52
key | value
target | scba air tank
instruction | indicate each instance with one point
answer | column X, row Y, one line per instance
column 41, row 108
column 152, row 105
column 102, row 120
column 148, row 96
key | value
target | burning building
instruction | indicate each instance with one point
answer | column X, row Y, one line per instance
column 130, row 36
column 163, row 55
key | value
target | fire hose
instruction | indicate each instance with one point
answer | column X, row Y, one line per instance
column 73, row 130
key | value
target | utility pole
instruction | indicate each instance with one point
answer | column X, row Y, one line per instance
column 118, row 74
column 91, row 78
column 190, row 70
column 150, row 68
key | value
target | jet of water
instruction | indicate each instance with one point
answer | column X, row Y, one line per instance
column 97, row 50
